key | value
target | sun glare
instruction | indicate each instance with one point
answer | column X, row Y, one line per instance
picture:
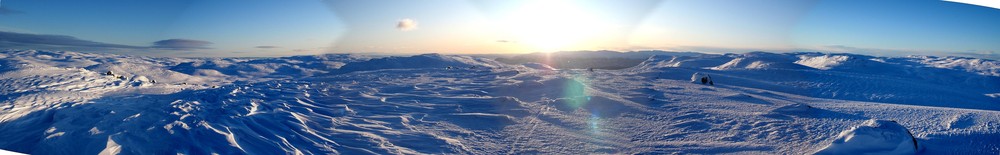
column 552, row 25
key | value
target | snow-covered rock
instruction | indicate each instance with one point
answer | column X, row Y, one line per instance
column 873, row 137
column 139, row 80
column 696, row 77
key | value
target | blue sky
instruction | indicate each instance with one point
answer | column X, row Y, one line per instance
column 297, row 27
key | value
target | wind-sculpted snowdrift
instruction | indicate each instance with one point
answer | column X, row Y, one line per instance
column 873, row 137
column 64, row 103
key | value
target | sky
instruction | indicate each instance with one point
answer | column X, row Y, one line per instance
column 252, row 28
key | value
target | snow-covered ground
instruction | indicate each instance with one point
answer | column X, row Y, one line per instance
column 790, row 103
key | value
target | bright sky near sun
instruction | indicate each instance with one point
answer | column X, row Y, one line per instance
column 297, row 27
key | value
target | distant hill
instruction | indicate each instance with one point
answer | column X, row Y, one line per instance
column 590, row 59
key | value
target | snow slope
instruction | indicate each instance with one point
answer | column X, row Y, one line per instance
column 444, row 104
column 908, row 80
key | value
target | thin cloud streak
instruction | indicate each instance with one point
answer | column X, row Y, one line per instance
column 54, row 40
column 181, row 44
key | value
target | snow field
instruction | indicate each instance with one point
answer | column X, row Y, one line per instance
column 440, row 104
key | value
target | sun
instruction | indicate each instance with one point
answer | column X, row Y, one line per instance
column 552, row 25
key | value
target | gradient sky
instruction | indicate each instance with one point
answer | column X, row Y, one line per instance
column 297, row 27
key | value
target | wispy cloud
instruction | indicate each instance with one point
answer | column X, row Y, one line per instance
column 13, row 39
column 6, row 11
column 181, row 44
column 849, row 49
column 406, row 25
column 18, row 40
column 267, row 47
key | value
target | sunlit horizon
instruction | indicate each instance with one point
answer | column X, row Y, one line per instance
column 282, row 28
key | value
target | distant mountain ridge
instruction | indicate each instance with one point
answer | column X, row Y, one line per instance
column 763, row 60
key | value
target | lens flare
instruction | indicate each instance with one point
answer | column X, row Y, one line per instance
column 595, row 123
column 576, row 95
column 576, row 92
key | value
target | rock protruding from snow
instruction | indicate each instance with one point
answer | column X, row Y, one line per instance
column 873, row 137
column 697, row 77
